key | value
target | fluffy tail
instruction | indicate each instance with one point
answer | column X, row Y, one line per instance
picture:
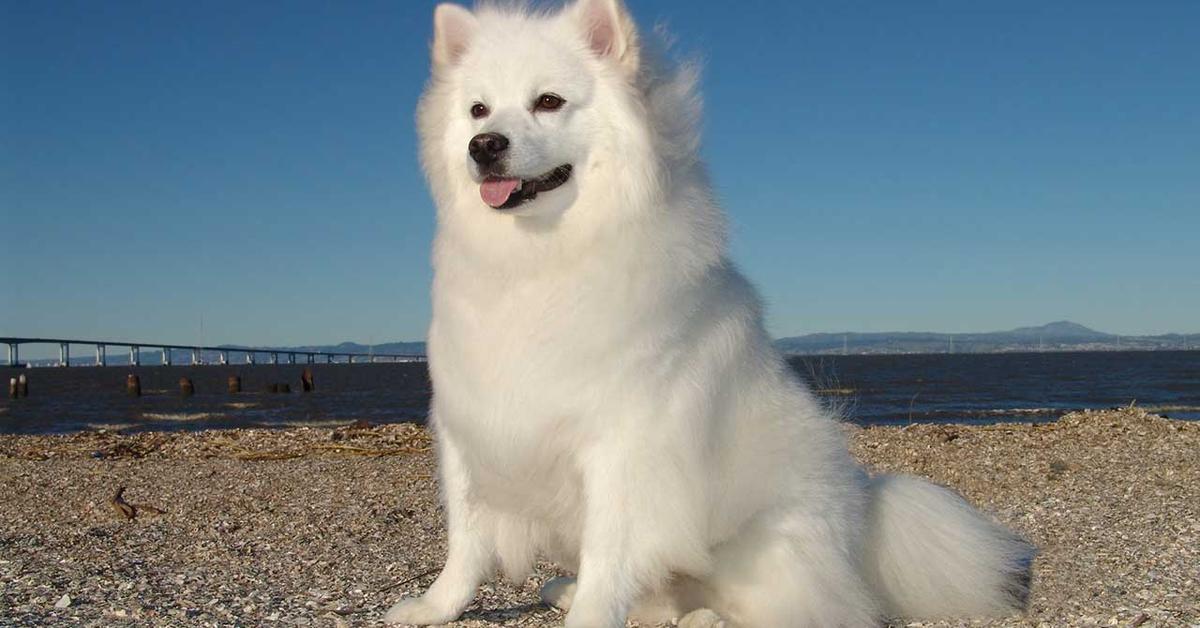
column 931, row 554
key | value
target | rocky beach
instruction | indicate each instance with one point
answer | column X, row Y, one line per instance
column 328, row 527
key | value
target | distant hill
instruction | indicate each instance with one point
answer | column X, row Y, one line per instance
column 1056, row 336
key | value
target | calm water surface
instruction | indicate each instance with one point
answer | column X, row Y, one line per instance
column 880, row 389
column 985, row 388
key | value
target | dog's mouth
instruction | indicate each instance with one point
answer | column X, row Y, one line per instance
column 509, row 192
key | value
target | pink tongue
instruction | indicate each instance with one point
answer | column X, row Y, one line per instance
column 495, row 192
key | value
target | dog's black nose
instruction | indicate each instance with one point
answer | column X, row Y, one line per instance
column 486, row 148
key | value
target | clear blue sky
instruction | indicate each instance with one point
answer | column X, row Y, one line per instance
column 941, row 166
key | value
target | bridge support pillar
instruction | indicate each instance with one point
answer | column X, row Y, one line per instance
column 195, row 356
column 250, row 358
column 13, row 352
column 274, row 358
column 64, row 354
column 166, row 357
column 135, row 355
column 224, row 357
column 101, row 355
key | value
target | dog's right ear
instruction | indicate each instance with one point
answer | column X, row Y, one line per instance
column 453, row 28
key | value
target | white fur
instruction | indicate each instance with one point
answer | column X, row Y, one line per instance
column 604, row 391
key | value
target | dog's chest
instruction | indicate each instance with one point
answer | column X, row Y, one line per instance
column 541, row 347
column 519, row 377
column 513, row 410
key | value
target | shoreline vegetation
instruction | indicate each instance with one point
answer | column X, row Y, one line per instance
column 328, row 527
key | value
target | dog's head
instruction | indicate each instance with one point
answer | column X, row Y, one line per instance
column 527, row 113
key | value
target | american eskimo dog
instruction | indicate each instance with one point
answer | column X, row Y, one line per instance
column 605, row 394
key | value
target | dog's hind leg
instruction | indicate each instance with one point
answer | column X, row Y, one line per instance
column 558, row 592
column 702, row 618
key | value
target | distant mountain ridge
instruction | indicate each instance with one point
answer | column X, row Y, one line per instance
column 1056, row 336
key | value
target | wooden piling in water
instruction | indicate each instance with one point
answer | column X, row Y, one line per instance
column 186, row 388
column 306, row 380
column 12, row 388
column 133, row 385
column 234, row 384
column 22, row 386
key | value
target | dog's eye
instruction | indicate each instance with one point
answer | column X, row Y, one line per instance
column 478, row 110
column 548, row 102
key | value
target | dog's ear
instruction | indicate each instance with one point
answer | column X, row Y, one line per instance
column 453, row 28
column 609, row 31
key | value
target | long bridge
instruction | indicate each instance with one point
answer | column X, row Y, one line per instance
column 224, row 354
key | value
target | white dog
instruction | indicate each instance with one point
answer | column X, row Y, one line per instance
column 604, row 391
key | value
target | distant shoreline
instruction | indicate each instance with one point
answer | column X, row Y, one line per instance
column 1013, row 351
column 88, row 363
column 1059, row 336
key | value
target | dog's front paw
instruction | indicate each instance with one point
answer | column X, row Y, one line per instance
column 419, row 611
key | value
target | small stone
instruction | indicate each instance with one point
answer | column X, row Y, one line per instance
column 63, row 601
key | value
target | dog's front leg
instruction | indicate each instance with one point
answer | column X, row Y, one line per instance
column 470, row 558
column 606, row 583
column 630, row 533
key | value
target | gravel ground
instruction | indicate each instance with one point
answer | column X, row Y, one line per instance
column 329, row 527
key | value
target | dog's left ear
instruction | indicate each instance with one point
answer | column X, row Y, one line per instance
column 609, row 30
